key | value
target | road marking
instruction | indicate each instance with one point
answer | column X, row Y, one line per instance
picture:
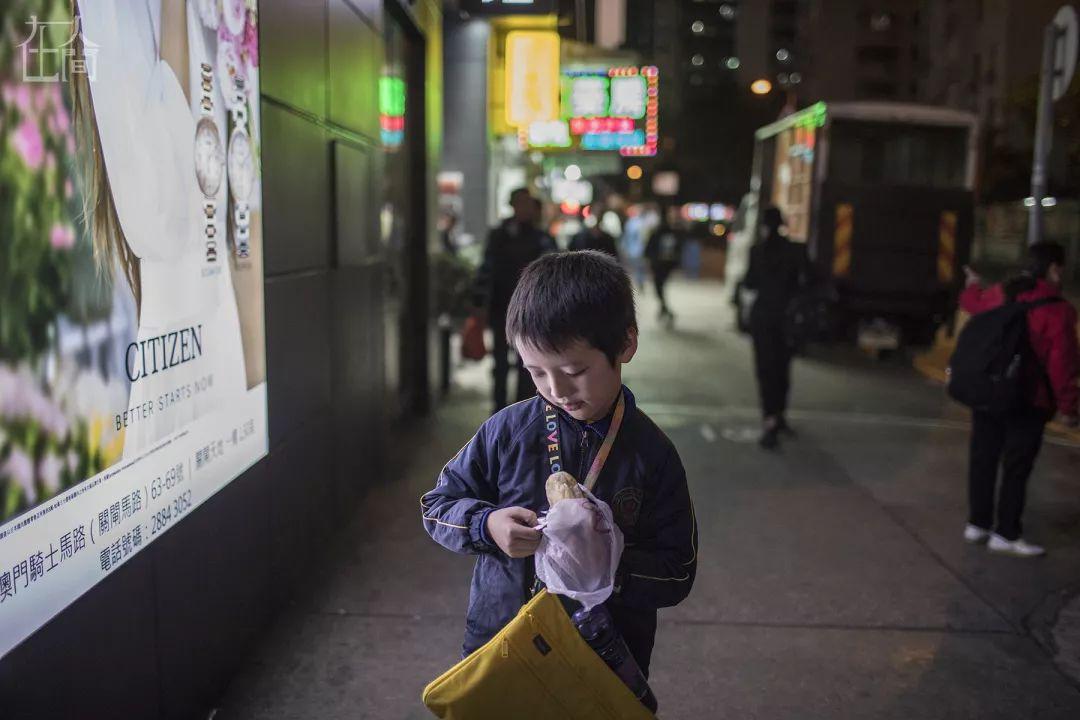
column 708, row 433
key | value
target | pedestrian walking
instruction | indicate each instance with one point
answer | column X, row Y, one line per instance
column 664, row 252
column 778, row 271
column 510, row 248
column 635, row 231
column 594, row 237
column 1010, row 441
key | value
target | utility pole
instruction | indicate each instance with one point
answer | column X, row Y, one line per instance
column 1058, row 64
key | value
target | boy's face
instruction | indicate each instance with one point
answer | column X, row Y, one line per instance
column 579, row 378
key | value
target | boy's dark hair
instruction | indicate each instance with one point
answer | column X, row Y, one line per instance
column 1040, row 257
column 568, row 296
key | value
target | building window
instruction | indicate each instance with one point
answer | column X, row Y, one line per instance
column 881, row 22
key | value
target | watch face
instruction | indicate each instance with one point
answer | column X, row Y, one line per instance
column 241, row 166
column 209, row 157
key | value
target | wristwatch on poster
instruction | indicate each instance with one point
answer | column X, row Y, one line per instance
column 209, row 160
column 241, row 170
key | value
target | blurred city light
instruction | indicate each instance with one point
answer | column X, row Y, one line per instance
column 733, row 63
column 761, row 87
column 698, row 27
column 572, row 172
column 634, row 172
column 1046, row 202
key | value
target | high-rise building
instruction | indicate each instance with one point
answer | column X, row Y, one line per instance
column 984, row 51
column 708, row 114
column 863, row 51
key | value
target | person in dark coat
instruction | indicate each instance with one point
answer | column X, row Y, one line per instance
column 778, row 271
column 510, row 248
column 664, row 252
column 1012, row 443
column 595, row 238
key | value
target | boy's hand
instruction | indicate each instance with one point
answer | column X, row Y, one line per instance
column 513, row 531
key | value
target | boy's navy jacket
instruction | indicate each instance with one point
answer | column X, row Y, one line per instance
column 506, row 464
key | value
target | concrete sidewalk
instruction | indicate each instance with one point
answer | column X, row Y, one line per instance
column 832, row 579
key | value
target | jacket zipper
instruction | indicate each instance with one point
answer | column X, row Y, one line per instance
column 584, row 455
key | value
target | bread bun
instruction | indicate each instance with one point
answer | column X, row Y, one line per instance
column 562, row 486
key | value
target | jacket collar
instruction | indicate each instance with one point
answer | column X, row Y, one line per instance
column 601, row 426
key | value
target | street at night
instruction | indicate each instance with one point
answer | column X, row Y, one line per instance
column 832, row 578
column 539, row 359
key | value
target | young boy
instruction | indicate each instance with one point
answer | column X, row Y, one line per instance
column 572, row 320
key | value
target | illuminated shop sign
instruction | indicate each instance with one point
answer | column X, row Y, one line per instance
column 549, row 134
column 608, row 110
column 532, row 77
column 391, row 110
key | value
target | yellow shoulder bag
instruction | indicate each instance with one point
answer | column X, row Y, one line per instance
column 538, row 667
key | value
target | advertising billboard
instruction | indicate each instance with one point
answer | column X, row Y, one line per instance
column 132, row 350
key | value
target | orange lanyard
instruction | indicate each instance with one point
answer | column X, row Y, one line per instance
column 551, row 426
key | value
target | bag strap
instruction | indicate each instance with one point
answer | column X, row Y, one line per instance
column 1029, row 306
column 551, row 426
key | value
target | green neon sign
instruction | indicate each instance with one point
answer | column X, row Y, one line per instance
column 391, row 96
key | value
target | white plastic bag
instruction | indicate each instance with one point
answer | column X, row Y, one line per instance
column 580, row 550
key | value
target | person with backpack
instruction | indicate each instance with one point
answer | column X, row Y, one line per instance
column 1016, row 363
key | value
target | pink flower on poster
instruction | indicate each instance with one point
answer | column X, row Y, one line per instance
column 28, row 143
column 62, row 236
column 249, row 46
column 20, row 468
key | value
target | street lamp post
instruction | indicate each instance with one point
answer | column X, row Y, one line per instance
column 1058, row 64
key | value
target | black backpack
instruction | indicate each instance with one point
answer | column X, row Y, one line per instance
column 987, row 369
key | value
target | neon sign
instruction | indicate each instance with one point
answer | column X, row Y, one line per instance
column 606, row 109
column 548, row 133
column 629, row 96
column 391, row 111
column 532, row 77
